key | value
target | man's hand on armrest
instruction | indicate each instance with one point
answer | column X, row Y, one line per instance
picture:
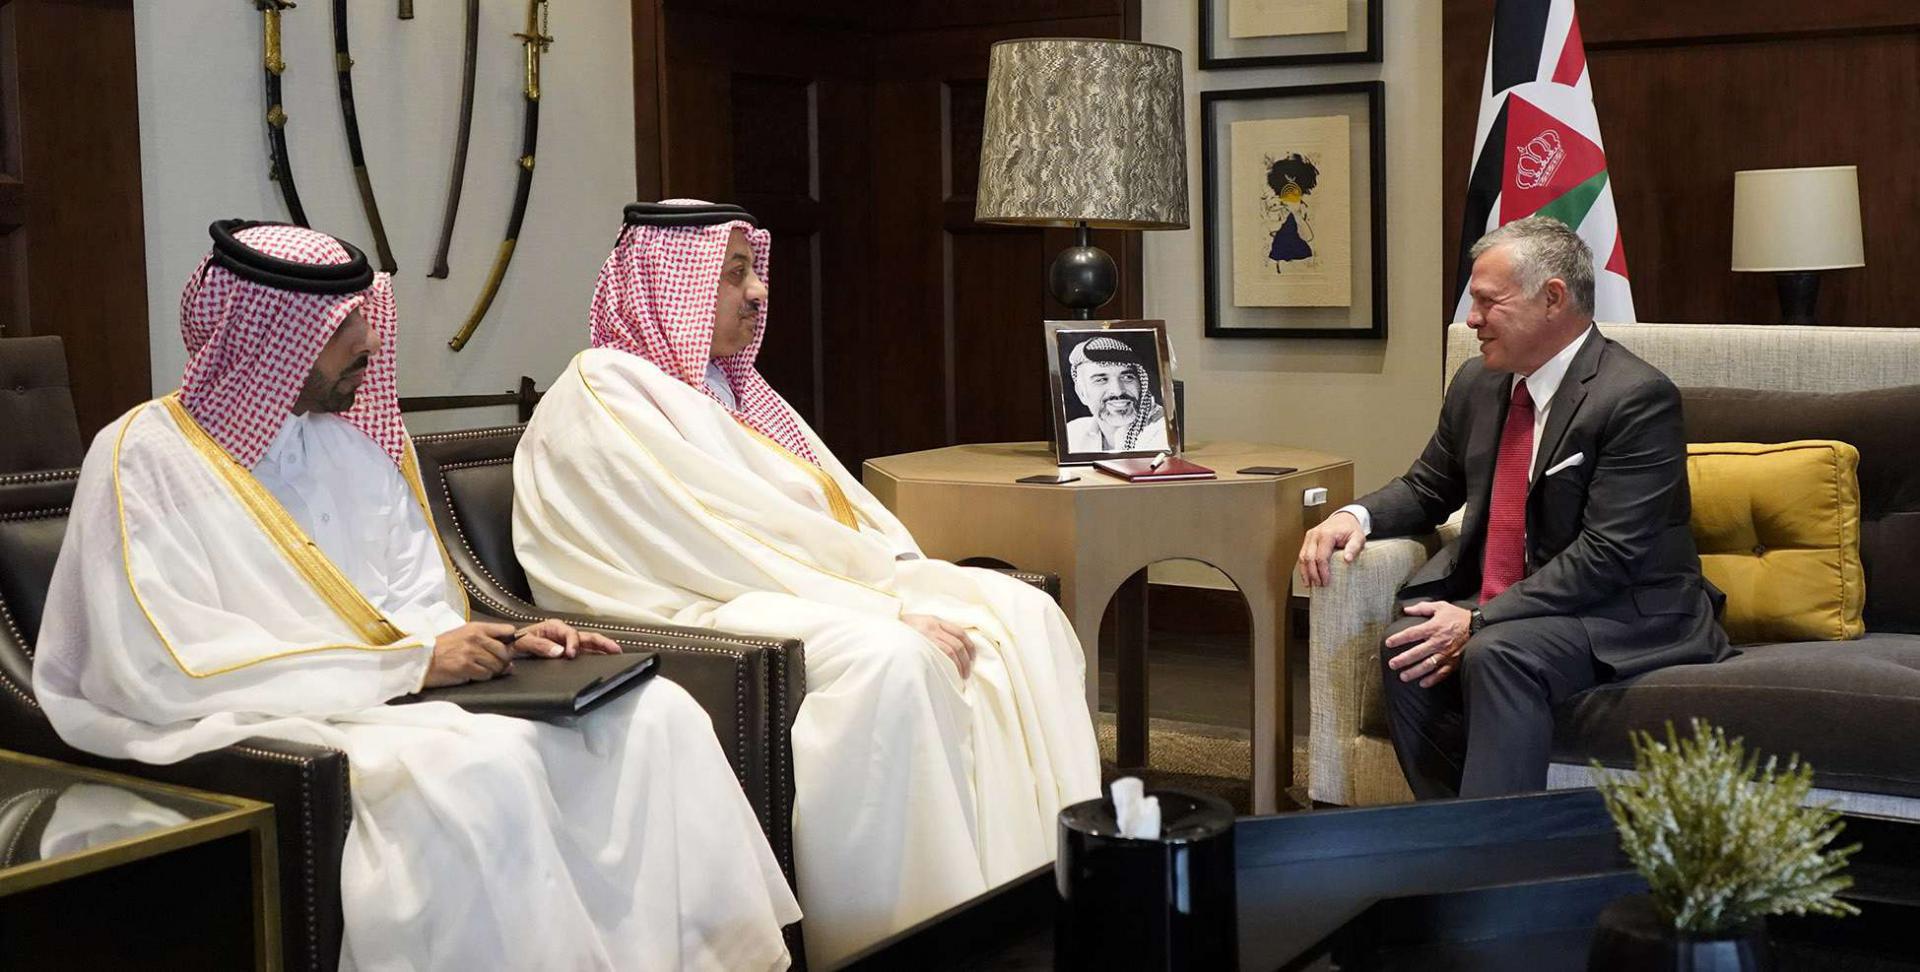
column 554, row 638
column 1342, row 531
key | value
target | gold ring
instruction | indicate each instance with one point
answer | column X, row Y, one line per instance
column 1437, row 660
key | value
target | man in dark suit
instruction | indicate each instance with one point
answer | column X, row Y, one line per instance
column 1575, row 565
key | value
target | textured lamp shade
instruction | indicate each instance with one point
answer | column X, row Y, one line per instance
column 1089, row 131
column 1787, row 220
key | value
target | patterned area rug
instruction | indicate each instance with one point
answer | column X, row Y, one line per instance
column 1214, row 760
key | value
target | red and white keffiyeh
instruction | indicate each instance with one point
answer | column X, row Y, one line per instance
column 655, row 299
column 252, row 346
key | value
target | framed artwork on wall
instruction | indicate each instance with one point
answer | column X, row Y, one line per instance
column 1269, row 33
column 1295, row 211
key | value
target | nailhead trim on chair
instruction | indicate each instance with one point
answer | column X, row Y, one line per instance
column 739, row 670
column 6, row 614
column 40, row 476
column 306, row 840
column 778, row 671
column 34, row 514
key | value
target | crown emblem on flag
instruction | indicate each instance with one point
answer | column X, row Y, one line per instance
column 1538, row 160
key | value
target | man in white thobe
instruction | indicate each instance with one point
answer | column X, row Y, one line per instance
column 251, row 556
column 662, row 480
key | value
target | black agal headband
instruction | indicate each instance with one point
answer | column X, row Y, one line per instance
column 248, row 263
column 705, row 214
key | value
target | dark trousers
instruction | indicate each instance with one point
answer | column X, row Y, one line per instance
column 1487, row 729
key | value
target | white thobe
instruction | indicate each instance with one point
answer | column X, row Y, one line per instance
column 637, row 496
column 174, row 625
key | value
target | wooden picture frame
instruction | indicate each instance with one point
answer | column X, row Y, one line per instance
column 1297, row 289
column 1360, row 43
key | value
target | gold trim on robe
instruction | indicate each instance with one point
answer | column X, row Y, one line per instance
column 614, row 417
column 837, row 503
column 279, row 527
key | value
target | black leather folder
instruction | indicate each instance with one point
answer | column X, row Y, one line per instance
column 546, row 688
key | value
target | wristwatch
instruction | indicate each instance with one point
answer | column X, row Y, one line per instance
column 1475, row 622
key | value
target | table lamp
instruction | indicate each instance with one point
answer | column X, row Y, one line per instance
column 1088, row 134
column 1794, row 223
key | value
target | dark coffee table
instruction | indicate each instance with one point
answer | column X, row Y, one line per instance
column 1510, row 883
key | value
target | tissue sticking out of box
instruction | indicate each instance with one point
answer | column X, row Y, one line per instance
column 1137, row 814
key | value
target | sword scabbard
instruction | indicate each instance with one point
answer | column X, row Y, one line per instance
column 487, row 293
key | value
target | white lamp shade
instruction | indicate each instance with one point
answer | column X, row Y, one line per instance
column 1788, row 220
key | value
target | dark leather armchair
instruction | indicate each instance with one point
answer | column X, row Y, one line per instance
column 750, row 686
column 36, row 407
column 306, row 784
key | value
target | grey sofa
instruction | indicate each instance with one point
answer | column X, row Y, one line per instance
column 1852, row 709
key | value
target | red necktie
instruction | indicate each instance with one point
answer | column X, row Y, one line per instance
column 1504, row 560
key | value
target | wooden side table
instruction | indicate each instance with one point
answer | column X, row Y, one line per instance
column 101, row 870
column 963, row 502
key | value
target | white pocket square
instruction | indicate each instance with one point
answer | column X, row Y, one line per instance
column 1564, row 464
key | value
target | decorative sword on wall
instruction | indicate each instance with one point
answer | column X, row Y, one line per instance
column 281, row 170
column 459, row 143
column 537, row 41
column 343, row 70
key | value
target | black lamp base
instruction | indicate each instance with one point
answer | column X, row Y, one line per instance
column 1083, row 277
column 1799, row 293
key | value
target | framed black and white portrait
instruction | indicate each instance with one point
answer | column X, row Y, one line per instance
column 1112, row 390
column 1295, row 211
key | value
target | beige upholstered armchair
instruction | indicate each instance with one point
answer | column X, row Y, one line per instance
column 1352, row 760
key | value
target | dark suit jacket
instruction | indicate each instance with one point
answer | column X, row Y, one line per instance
column 1607, row 540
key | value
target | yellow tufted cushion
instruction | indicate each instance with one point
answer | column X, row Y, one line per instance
column 1778, row 526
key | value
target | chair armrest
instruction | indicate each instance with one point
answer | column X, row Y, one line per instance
column 307, row 785
column 1346, row 621
column 1050, row 583
column 750, row 686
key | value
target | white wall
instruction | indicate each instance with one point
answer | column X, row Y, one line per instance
column 204, row 157
column 1373, row 401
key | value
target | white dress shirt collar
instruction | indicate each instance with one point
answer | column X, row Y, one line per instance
column 1545, row 380
column 721, row 387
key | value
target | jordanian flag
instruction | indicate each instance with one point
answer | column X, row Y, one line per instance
column 1537, row 147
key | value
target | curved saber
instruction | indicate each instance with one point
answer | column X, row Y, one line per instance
column 537, row 42
column 459, row 144
column 280, row 168
column 343, row 69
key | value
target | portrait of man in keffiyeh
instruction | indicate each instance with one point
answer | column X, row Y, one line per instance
column 1109, row 378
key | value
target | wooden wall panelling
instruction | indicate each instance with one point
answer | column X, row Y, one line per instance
column 921, row 326
column 1688, row 95
column 984, row 314
column 649, row 101
column 771, row 114
column 70, row 202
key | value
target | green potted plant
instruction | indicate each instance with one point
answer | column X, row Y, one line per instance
column 1723, row 841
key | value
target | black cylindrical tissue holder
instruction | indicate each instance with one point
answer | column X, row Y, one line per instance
column 1165, row 904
